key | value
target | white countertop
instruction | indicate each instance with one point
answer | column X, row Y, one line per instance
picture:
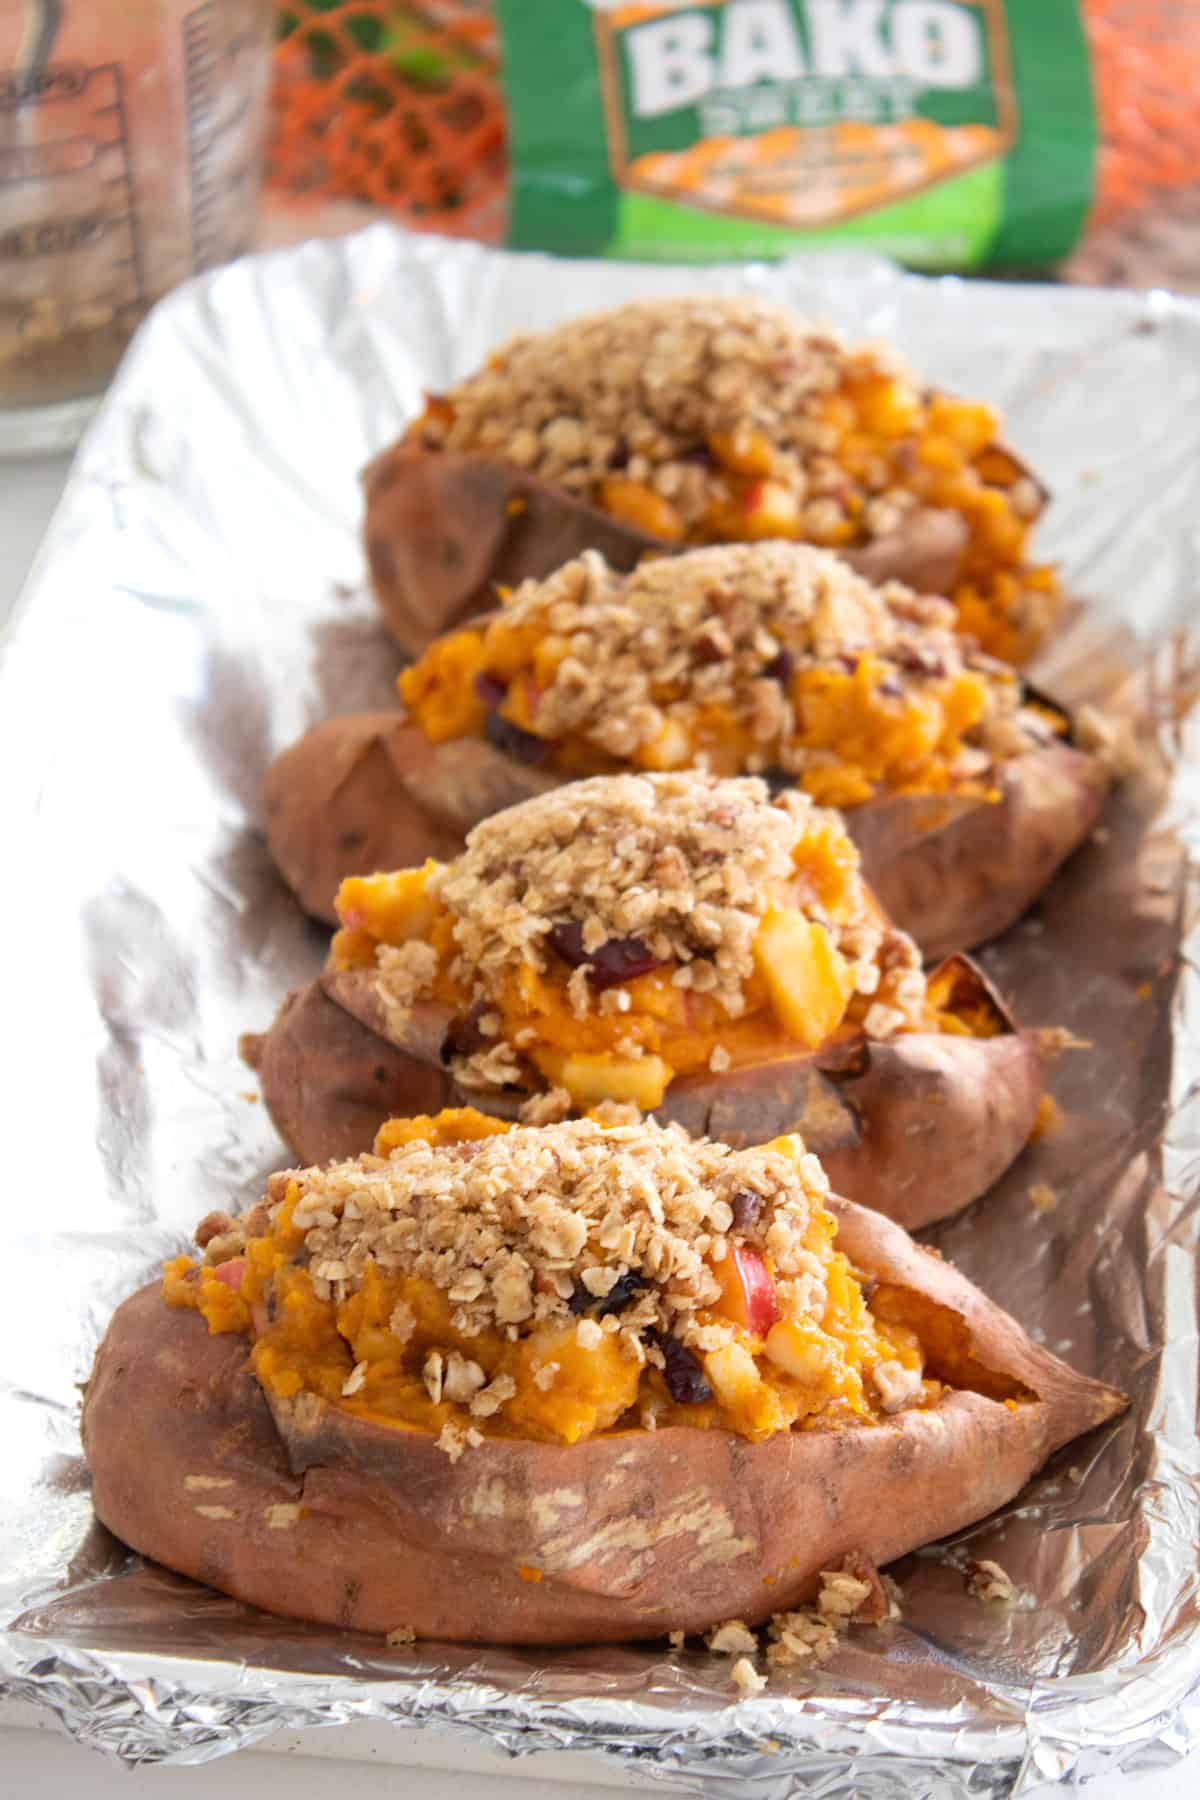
column 36, row 1759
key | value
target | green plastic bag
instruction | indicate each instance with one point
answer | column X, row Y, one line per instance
column 945, row 133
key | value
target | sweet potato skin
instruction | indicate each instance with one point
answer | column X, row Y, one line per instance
column 308, row 1511
column 329, row 1082
column 443, row 530
column 916, row 1127
column 368, row 791
column 955, row 873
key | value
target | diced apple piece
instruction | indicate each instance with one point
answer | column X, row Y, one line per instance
column 767, row 509
column 394, row 908
column 747, row 1290
column 671, row 749
column 733, row 1376
column 590, row 1077
column 797, row 1352
column 810, row 983
column 754, row 1405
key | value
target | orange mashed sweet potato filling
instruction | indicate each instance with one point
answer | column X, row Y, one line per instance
column 792, row 1373
column 800, row 995
column 882, row 741
column 941, row 450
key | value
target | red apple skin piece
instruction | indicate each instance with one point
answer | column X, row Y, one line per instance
column 748, row 1290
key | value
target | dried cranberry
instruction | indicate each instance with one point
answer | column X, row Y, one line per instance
column 848, row 662
column 623, row 1293
column 490, row 690
column 778, row 780
column 746, row 1207
column 685, row 1379
column 516, row 742
column 618, row 457
column 781, row 668
column 701, row 454
column 711, row 645
column 617, row 961
column 464, row 1037
column 566, row 940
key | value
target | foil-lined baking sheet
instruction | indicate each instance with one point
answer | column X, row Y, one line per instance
column 201, row 600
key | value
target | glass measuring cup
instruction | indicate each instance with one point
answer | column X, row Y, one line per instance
column 130, row 144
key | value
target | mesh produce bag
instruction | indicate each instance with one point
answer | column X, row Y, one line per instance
column 396, row 105
column 1145, row 225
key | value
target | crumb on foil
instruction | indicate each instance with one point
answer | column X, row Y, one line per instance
column 987, row 1581
column 746, row 1678
column 733, row 1638
column 854, row 1593
column 1055, row 1040
column 1048, row 1119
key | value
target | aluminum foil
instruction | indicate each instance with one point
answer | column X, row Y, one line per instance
column 200, row 601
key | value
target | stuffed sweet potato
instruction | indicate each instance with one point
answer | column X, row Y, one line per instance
column 681, row 943
column 669, row 423
column 559, row 1384
column 963, row 791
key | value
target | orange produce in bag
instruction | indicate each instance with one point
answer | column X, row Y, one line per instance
column 396, row 105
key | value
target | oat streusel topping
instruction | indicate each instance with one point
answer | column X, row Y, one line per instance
column 666, row 873
column 651, row 379
column 512, row 1227
column 716, row 627
column 686, row 863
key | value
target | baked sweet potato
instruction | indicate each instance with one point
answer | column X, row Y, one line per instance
column 914, row 1121
column 444, row 534
column 669, row 423
column 916, row 1128
column 960, row 786
column 322, row 1487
